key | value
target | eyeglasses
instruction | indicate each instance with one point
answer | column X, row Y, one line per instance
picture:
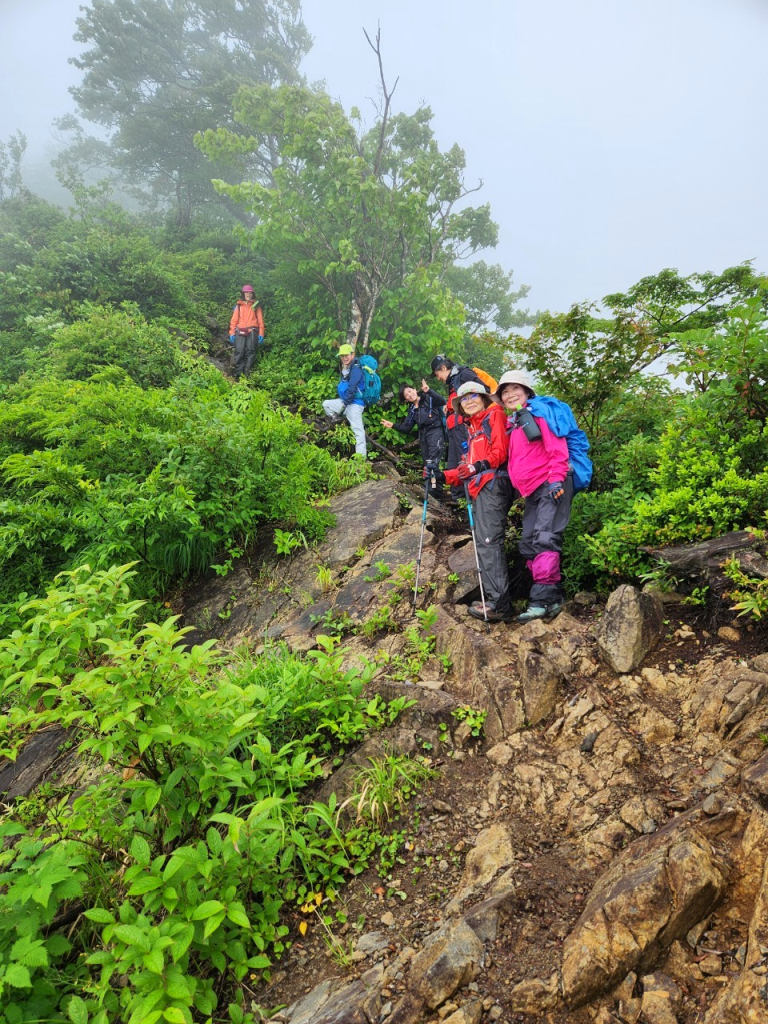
column 471, row 397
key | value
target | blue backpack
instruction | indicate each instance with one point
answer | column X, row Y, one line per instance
column 561, row 421
column 371, row 391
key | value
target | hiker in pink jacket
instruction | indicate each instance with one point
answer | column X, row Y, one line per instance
column 538, row 467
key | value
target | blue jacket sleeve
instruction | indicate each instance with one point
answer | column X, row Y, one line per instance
column 354, row 384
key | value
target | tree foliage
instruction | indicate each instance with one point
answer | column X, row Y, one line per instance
column 157, row 71
column 589, row 357
column 356, row 221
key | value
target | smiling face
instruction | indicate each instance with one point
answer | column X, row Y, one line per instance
column 442, row 373
column 472, row 403
column 513, row 395
column 410, row 394
column 346, row 360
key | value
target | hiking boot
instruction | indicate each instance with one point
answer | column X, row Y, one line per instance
column 336, row 417
column 533, row 611
column 490, row 614
column 540, row 611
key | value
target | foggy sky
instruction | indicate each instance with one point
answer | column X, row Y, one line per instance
column 613, row 137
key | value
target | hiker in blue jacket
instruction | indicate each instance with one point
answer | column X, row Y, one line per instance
column 425, row 415
column 350, row 403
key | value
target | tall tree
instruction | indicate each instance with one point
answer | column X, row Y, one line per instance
column 158, row 71
column 488, row 296
column 11, row 154
column 352, row 216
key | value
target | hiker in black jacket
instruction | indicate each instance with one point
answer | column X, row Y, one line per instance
column 454, row 376
column 425, row 415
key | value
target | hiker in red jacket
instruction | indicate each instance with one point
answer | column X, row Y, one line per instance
column 453, row 376
column 246, row 330
column 539, row 469
column 484, row 471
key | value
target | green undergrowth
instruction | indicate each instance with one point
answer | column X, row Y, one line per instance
column 102, row 472
column 151, row 888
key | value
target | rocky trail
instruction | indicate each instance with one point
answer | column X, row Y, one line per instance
column 598, row 854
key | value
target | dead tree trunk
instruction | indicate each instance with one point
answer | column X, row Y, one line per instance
column 707, row 557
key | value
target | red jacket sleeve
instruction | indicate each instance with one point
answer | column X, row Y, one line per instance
column 498, row 450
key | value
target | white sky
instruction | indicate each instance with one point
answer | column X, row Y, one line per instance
column 614, row 137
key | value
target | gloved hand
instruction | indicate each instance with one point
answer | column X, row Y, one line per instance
column 232, row 338
column 465, row 470
column 556, row 491
column 260, row 339
column 439, row 477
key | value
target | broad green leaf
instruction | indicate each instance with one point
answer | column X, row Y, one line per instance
column 207, row 909
column 17, row 975
column 77, row 1010
column 99, row 915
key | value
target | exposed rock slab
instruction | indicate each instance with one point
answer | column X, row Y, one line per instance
column 755, row 780
column 363, row 515
column 449, row 961
column 353, row 1003
column 631, row 626
column 661, row 999
column 745, row 1001
column 726, row 695
column 650, row 896
column 492, row 852
column 535, row 995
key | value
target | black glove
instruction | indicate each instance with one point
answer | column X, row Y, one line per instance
column 556, row 491
column 482, row 465
column 439, row 477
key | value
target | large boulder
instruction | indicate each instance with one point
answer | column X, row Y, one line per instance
column 450, row 960
column 653, row 894
column 631, row 626
column 541, row 679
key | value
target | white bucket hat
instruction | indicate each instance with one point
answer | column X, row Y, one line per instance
column 515, row 377
column 471, row 388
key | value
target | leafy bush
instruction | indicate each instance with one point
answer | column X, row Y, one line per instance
column 176, row 861
column 101, row 471
column 106, row 337
column 711, row 477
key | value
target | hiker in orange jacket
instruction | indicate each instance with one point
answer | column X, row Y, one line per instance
column 246, row 330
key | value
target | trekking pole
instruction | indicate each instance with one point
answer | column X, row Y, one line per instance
column 477, row 557
column 428, row 470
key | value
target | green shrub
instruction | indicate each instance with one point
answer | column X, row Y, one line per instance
column 101, row 471
column 123, row 338
column 175, row 860
column 710, row 477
